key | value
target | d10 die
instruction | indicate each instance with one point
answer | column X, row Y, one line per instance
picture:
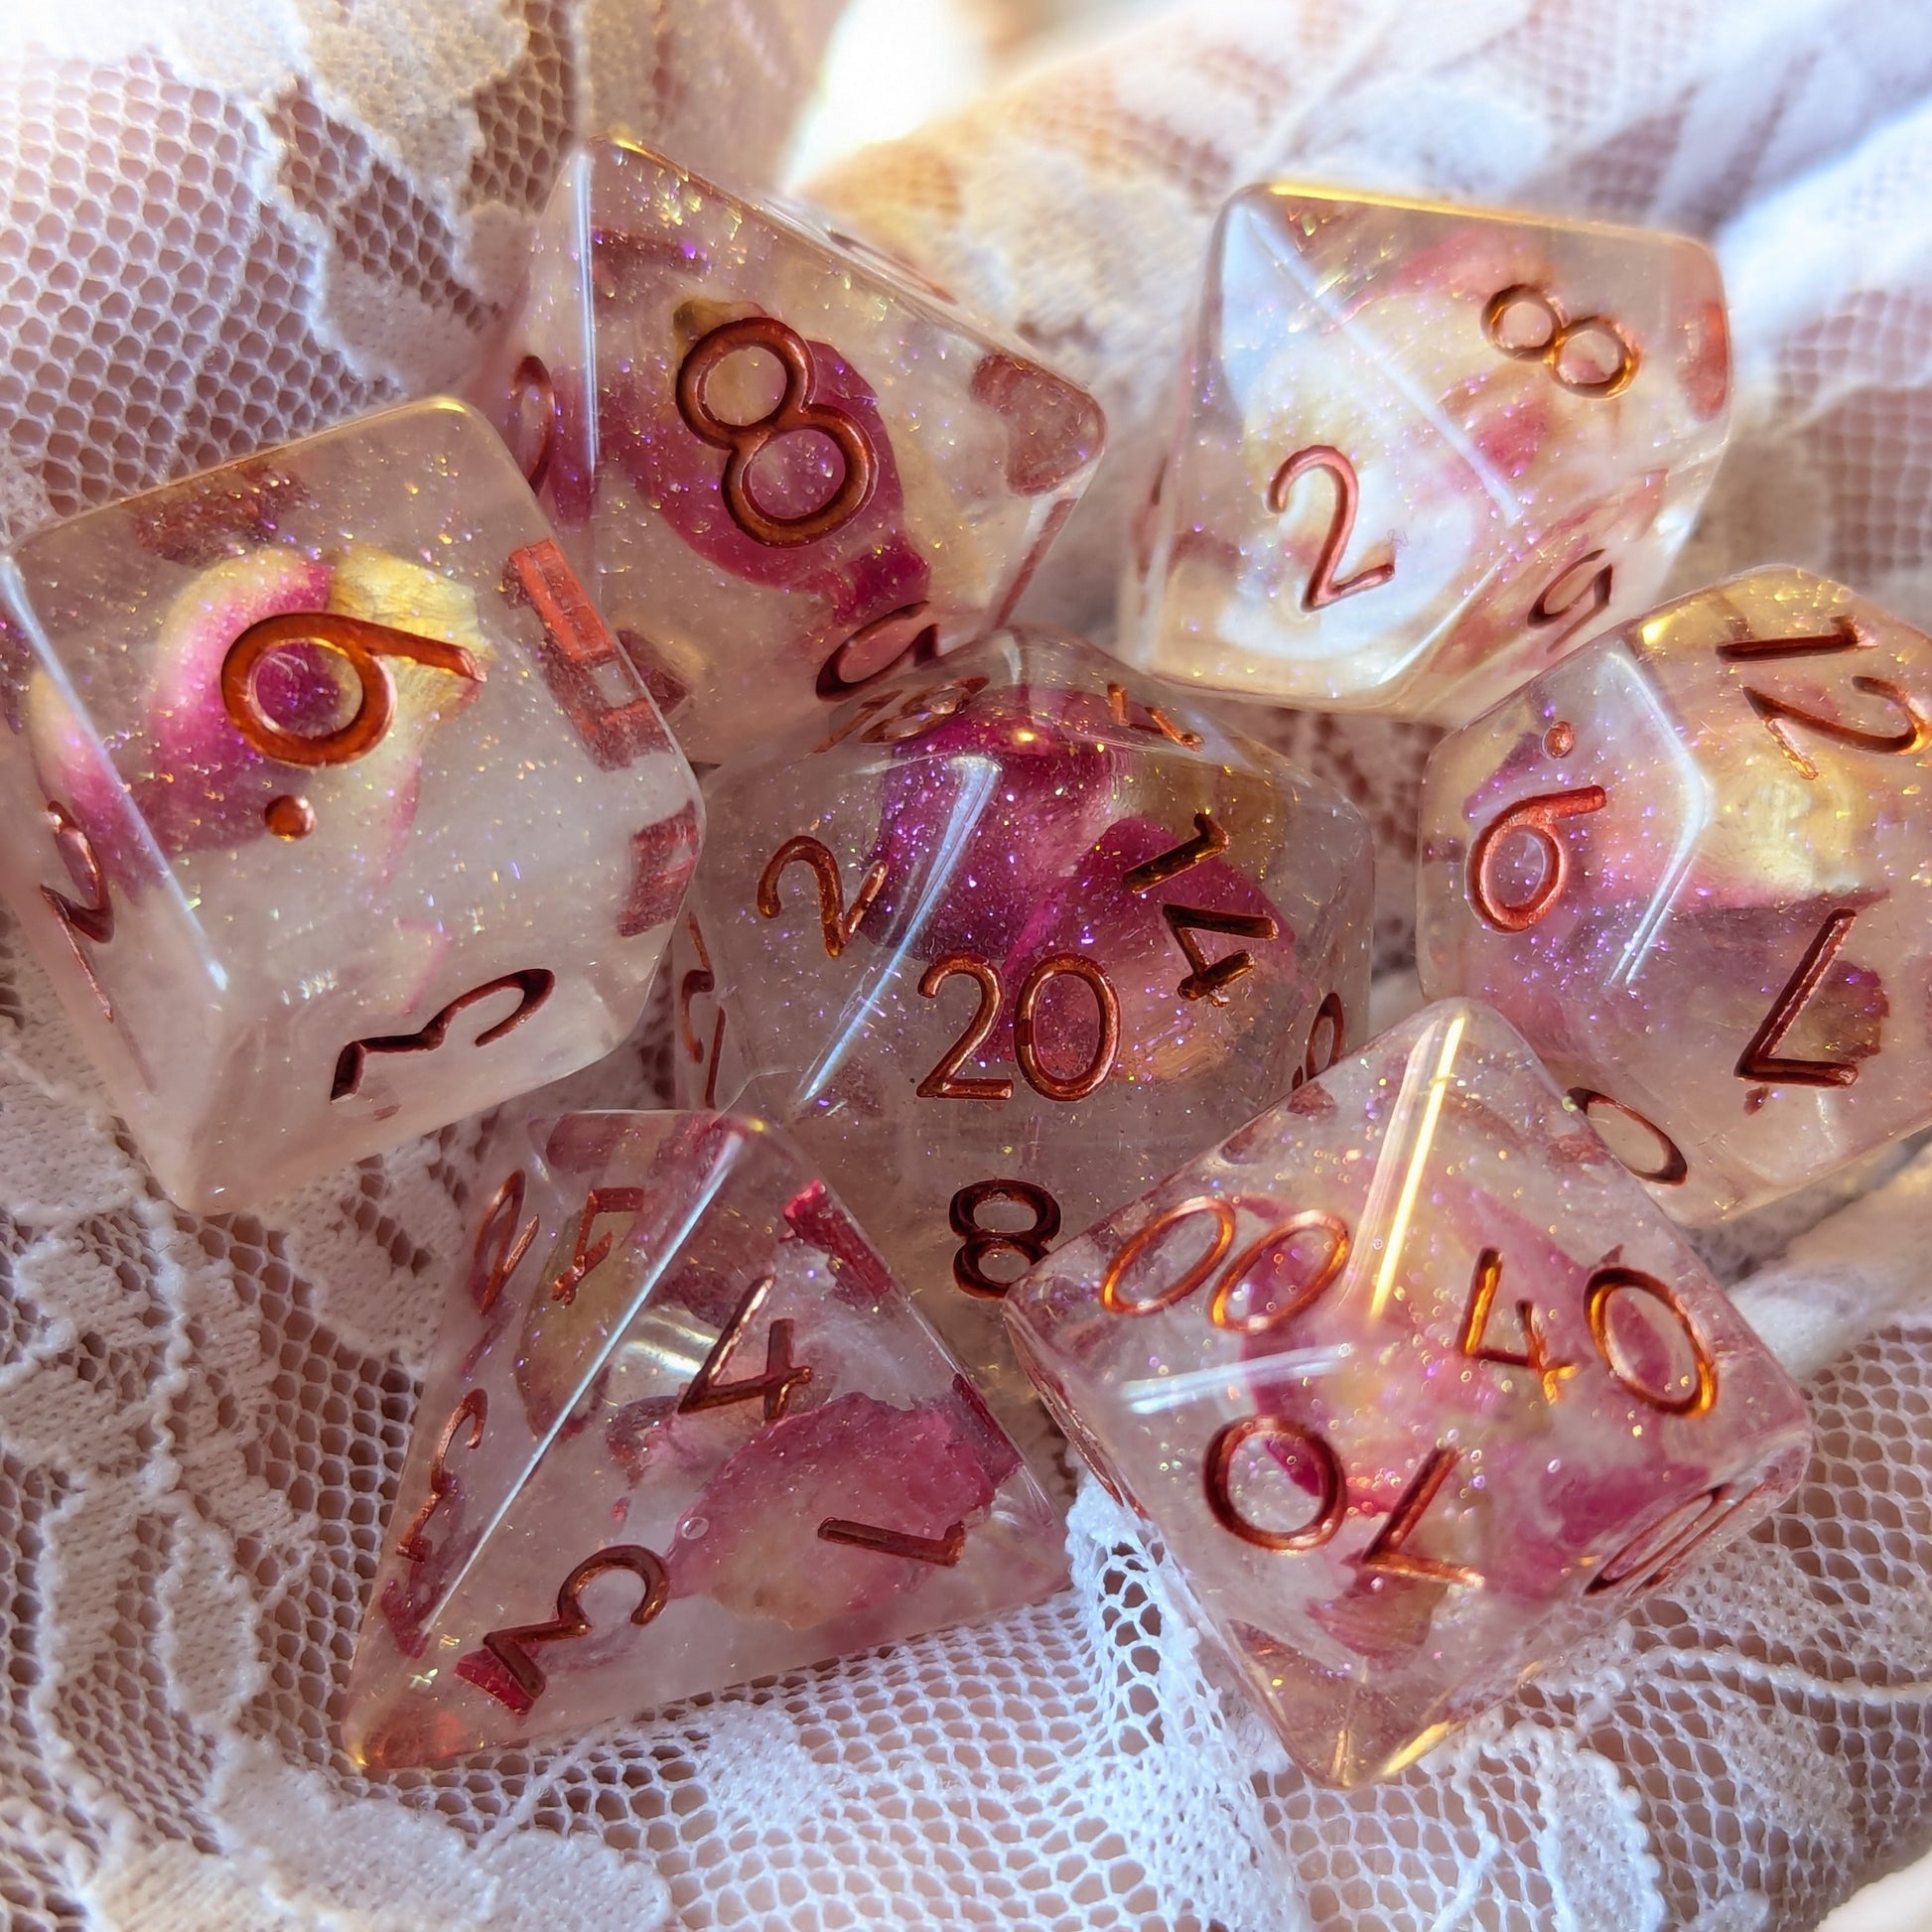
column 682, row 1429
column 1689, row 863
column 1421, row 451
column 783, row 461
column 335, row 811
column 1006, row 943
column 1416, row 1386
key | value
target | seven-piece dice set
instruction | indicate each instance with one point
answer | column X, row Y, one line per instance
column 351, row 796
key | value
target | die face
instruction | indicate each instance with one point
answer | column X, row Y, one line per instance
column 790, row 463
column 1711, row 927
column 338, row 812
column 1006, row 943
column 678, row 1401
column 1414, row 1385
column 1421, row 452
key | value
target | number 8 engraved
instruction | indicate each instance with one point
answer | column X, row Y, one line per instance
column 1559, row 333
column 794, row 410
column 979, row 1244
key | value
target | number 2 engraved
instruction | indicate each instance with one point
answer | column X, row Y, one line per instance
column 1779, row 715
column 473, row 1409
column 1761, row 1061
column 1559, row 333
column 794, row 410
column 782, row 1374
column 1322, row 587
column 837, row 922
column 584, row 1256
column 1473, row 1340
column 1588, row 602
column 93, row 921
column 364, row 646
column 1537, row 816
column 533, row 986
column 1205, row 978
column 946, row 1082
column 506, row 1667
column 978, row 1244
column 500, row 1244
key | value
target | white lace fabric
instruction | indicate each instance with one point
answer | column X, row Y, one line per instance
column 224, row 223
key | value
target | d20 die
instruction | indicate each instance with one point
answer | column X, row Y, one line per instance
column 1421, row 451
column 1416, row 1385
column 1689, row 864
column 682, row 1429
column 1008, row 942
column 335, row 811
column 784, row 461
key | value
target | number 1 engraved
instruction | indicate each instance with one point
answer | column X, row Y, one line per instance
column 1474, row 1338
column 782, row 1374
column 1761, row 1061
column 945, row 1550
column 505, row 1667
column 583, row 1254
column 533, row 986
column 93, row 920
column 837, row 922
column 1322, row 587
column 1389, row 1554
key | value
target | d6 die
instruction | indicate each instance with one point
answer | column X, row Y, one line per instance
column 783, row 461
column 1421, row 451
column 678, row 1399
column 1689, row 863
column 337, row 814
column 1009, row 941
column 1416, row 1386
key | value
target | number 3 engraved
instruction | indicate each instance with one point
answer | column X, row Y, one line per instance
column 1322, row 587
column 473, row 1409
column 794, row 410
column 533, row 986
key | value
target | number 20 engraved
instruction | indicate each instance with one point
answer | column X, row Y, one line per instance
column 946, row 1082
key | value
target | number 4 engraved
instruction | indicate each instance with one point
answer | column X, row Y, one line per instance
column 782, row 1374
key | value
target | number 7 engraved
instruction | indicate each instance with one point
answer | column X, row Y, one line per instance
column 1761, row 1061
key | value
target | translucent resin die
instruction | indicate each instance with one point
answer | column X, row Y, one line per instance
column 1418, row 451
column 331, row 807
column 682, row 1429
column 1004, row 941
column 1414, row 1385
column 1690, row 864
column 785, row 463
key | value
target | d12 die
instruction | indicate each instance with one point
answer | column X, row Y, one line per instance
column 1421, row 451
column 1416, row 1386
column 1689, row 863
column 1008, row 942
column 682, row 1429
column 785, row 463
column 335, row 811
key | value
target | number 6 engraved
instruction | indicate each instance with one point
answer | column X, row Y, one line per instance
column 364, row 647
column 505, row 1669
column 1537, row 816
column 837, row 924
column 1322, row 587
column 794, row 410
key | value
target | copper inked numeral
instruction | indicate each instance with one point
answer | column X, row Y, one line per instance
column 1761, row 1061
column 1278, row 1240
column 1388, row 1554
column 473, row 1409
column 1537, row 816
column 782, row 1374
column 533, row 986
column 944, row 1551
column 507, row 1668
column 1208, row 842
column 1217, row 1472
column 1473, row 1340
column 897, row 642
column 1660, row 1554
column 1608, row 1282
column 1587, row 604
column 1208, row 979
column 945, row 1082
column 1335, row 1016
column 1555, row 343
column 1144, row 1237
column 1025, row 1047
column 701, row 979
column 837, row 924
column 583, row 1256
column 1322, row 587
column 500, row 1244
column 794, row 410
column 1671, row 1168
column 532, row 381
column 92, row 920
column 1779, row 716
column 1157, row 725
column 978, row 1245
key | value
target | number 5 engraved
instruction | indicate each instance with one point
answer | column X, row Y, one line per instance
column 1322, row 587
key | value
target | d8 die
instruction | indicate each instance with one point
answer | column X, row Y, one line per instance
column 335, row 811
column 783, row 461
column 1421, row 451
column 678, row 1401
column 1690, row 864
column 1416, row 1386
column 1005, row 943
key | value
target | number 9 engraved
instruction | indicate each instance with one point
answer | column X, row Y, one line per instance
column 364, row 646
